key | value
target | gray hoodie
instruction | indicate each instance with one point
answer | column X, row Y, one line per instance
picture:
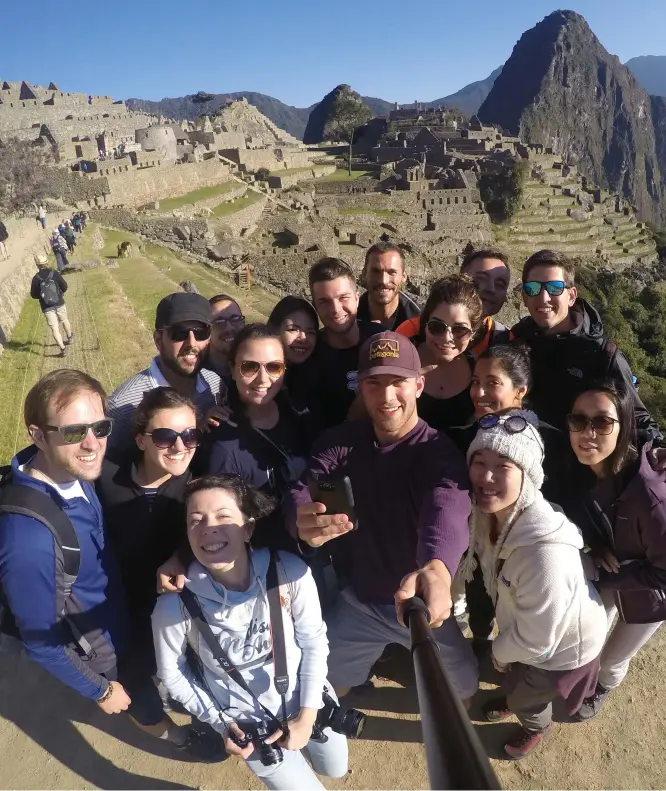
column 241, row 622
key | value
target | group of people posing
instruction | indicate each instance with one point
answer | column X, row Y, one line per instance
column 510, row 473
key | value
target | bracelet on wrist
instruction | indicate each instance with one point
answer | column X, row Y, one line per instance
column 107, row 694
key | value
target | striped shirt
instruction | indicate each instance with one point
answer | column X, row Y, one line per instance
column 127, row 396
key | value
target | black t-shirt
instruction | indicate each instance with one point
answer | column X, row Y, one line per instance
column 443, row 414
column 329, row 383
column 406, row 310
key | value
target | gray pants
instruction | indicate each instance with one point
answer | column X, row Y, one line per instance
column 328, row 758
column 623, row 642
column 358, row 634
column 532, row 699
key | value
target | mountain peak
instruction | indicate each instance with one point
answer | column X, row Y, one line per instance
column 336, row 114
column 561, row 88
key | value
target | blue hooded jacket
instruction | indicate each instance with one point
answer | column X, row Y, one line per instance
column 31, row 576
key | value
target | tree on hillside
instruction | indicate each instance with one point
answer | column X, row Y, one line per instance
column 22, row 181
column 348, row 114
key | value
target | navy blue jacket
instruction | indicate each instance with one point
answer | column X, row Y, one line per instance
column 28, row 574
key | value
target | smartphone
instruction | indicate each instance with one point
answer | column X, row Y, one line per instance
column 335, row 492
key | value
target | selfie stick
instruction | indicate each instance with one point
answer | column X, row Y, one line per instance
column 456, row 759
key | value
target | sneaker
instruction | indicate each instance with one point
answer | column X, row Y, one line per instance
column 205, row 747
column 63, row 352
column 592, row 705
column 525, row 741
column 496, row 710
column 70, row 339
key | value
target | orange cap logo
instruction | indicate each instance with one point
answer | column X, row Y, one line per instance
column 384, row 347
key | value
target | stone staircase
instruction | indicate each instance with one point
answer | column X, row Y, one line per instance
column 559, row 213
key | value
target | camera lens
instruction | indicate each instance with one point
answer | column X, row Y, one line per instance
column 350, row 722
column 268, row 754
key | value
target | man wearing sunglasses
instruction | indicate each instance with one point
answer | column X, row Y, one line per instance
column 182, row 334
column 568, row 347
column 64, row 415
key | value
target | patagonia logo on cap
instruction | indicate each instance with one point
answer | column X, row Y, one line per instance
column 384, row 347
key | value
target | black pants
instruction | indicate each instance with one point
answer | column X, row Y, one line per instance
column 135, row 672
column 479, row 606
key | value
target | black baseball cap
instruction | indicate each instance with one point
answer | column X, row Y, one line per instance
column 182, row 307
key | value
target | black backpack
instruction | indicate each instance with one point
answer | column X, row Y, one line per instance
column 19, row 499
column 3, row 232
column 49, row 292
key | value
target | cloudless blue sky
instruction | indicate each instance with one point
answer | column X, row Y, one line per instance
column 295, row 51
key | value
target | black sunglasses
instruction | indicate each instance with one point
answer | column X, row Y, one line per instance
column 513, row 424
column 601, row 424
column 164, row 438
column 180, row 333
column 232, row 321
column 439, row 328
column 73, row 433
column 553, row 287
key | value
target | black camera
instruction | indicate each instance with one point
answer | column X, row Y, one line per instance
column 256, row 733
column 349, row 722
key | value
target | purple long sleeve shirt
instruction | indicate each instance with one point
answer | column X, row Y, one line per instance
column 412, row 504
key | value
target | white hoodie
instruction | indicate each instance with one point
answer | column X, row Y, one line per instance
column 548, row 614
column 241, row 622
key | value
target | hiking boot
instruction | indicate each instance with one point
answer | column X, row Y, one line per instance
column 70, row 339
column 204, row 746
column 592, row 705
column 525, row 741
column 63, row 352
column 496, row 710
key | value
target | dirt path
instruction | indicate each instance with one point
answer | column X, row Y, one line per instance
column 54, row 739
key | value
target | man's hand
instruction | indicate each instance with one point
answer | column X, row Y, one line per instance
column 232, row 748
column 300, row 730
column 217, row 415
column 433, row 584
column 606, row 560
column 657, row 458
column 117, row 701
column 171, row 576
column 316, row 527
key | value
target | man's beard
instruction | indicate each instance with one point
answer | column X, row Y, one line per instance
column 172, row 364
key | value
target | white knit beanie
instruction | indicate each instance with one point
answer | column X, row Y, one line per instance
column 526, row 450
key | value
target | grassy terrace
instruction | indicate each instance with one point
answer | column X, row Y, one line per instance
column 196, row 195
column 341, row 174
column 229, row 207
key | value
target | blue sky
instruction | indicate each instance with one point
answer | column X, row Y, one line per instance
column 296, row 51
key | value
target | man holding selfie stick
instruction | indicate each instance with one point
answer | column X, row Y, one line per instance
column 411, row 505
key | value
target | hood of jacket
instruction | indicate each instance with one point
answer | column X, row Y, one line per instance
column 587, row 324
column 541, row 523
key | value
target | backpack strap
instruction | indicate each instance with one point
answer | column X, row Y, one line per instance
column 610, row 353
column 25, row 500
column 281, row 678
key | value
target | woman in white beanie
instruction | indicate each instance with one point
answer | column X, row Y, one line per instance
column 550, row 619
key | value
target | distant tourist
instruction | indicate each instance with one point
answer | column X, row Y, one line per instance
column 383, row 276
column 68, row 235
column 228, row 319
column 182, row 333
column 41, row 215
column 4, row 235
column 49, row 286
column 489, row 269
column 60, row 249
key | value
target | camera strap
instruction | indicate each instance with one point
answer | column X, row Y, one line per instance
column 281, row 677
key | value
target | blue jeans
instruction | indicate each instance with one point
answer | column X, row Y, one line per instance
column 328, row 758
